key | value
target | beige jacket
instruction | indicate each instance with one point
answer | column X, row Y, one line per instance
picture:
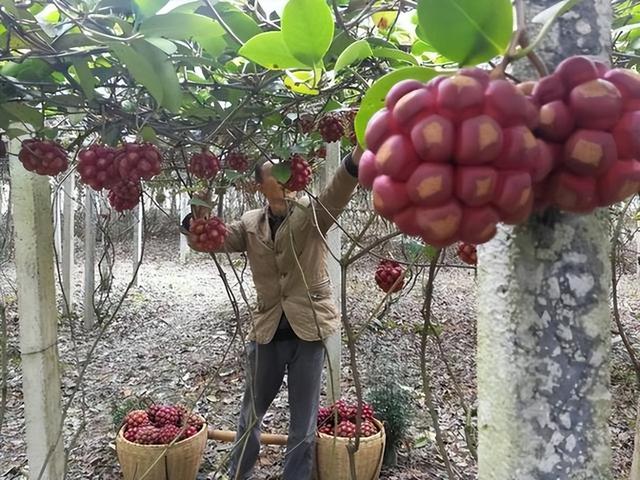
column 290, row 274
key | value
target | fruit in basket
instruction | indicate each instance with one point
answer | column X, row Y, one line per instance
column 147, row 435
column 161, row 424
column 136, row 418
column 168, row 433
column 346, row 429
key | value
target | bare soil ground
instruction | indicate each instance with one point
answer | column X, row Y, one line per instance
column 175, row 339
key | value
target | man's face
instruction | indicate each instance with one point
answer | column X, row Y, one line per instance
column 270, row 187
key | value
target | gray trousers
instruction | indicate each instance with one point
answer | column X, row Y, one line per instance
column 267, row 364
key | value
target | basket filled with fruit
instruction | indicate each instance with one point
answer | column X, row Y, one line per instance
column 163, row 442
column 337, row 433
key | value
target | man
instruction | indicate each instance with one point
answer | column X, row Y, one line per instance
column 285, row 245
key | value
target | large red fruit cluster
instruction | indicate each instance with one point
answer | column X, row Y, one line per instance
column 204, row 165
column 339, row 420
column 138, row 161
column 449, row 159
column 124, row 195
column 207, row 234
column 590, row 120
column 43, row 157
column 389, row 276
column 161, row 424
column 97, row 168
column 331, row 127
column 468, row 253
column 237, row 161
column 300, row 173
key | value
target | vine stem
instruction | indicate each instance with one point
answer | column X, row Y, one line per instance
column 426, row 386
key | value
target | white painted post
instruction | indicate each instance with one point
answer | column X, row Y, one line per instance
column 31, row 197
column 89, row 258
column 138, row 227
column 68, row 246
column 183, row 211
column 544, row 338
column 333, row 343
column 57, row 222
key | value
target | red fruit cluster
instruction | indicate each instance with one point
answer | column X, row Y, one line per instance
column 389, row 276
column 43, row 157
column 138, row 161
column 97, row 168
column 468, row 253
column 590, row 120
column 300, row 173
column 208, row 234
column 331, row 128
column 237, row 161
column 346, row 417
column 451, row 158
column 204, row 165
column 161, row 424
column 125, row 195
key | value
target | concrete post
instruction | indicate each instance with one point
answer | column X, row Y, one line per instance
column 31, row 197
column 57, row 222
column 183, row 211
column 89, row 258
column 333, row 343
column 68, row 245
column 543, row 324
column 138, row 228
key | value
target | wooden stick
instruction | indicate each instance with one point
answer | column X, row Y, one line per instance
column 230, row 436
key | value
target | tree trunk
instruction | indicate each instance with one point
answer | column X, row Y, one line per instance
column 544, row 327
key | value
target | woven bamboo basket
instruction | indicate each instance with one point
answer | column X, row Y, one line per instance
column 181, row 461
column 332, row 456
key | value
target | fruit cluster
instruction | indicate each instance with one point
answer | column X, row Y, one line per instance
column 161, row 425
column 449, row 159
column 389, row 276
column 237, row 161
column 119, row 170
column 468, row 253
column 97, row 167
column 339, row 420
column 590, row 119
column 204, row 165
column 207, row 234
column 43, row 157
column 332, row 126
column 300, row 173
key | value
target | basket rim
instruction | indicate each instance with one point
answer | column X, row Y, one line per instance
column 380, row 434
column 120, row 438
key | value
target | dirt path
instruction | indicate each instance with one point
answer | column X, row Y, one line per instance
column 169, row 341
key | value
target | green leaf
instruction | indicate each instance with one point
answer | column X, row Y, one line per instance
column 87, row 81
column 353, row 53
column 141, row 68
column 374, row 98
column 554, row 11
column 16, row 132
column 167, row 46
column 281, row 172
column 214, row 46
column 24, row 113
column 165, row 73
column 307, row 28
column 467, row 31
column 242, row 25
column 148, row 134
column 180, row 26
column 394, row 54
column 431, row 252
column 198, row 202
column 31, row 70
column 147, row 8
column 303, row 81
column 269, row 50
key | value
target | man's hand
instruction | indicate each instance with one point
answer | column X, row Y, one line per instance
column 201, row 211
